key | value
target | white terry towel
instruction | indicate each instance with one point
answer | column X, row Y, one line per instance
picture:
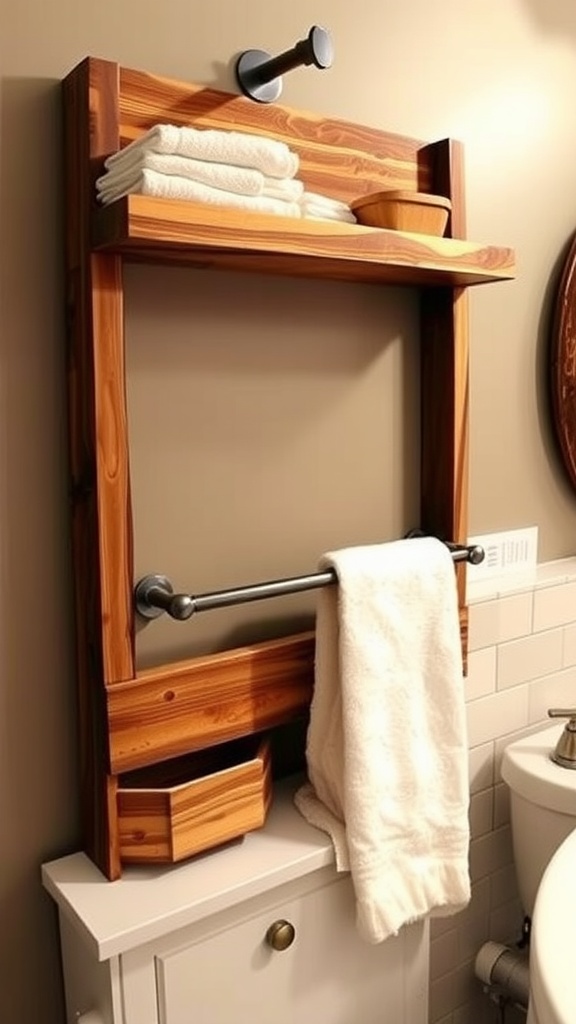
column 271, row 156
column 320, row 207
column 170, row 186
column 387, row 753
column 324, row 213
column 243, row 180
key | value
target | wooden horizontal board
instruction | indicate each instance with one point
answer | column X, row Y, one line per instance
column 169, row 711
column 338, row 158
column 168, row 230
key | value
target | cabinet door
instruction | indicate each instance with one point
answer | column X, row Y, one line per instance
column 328, row 974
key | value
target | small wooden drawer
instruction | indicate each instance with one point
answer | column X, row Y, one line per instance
column 170, row 811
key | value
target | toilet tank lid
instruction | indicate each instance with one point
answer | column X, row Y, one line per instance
column 528, row 770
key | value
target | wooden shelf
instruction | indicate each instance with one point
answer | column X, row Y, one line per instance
column 132, row 720
column 170, row 231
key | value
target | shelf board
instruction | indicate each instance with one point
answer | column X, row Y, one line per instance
column 170, row 231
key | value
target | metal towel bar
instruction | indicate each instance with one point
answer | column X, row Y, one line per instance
column 154, row 594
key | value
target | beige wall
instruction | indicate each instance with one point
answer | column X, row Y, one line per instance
column 330, row 371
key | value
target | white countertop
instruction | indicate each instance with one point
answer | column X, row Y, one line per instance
column 148, row 902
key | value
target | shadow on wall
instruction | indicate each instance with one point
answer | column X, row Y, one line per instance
column 38, row 788
column 555, row 16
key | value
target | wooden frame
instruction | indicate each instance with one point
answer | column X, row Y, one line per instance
column 563, row 365
column 129, row 719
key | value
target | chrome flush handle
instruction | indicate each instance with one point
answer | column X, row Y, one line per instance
column 565, row 752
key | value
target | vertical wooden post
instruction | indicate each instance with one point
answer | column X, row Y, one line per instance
column 100, row 493
column 445, row 381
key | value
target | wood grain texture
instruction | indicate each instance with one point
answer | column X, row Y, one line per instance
column 168, row 711
column 341, row 159
column 85, row 311
column 445, row 383
column 127, row 719
column 563, row 365
column 112, row 471
column 165, row 230
column 169, row 823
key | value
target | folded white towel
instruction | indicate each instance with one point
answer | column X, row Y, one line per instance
column 244, row 180
column 319, row 207
column 317, row 199
column 290, row 189
column 325, row 213
column 272, row 157
column 170, row 186
column 387, row 753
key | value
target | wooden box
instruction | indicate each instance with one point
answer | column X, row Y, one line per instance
column 404, row 211
column 170, row 811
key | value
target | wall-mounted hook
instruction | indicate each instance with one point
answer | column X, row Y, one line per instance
column 258, row 73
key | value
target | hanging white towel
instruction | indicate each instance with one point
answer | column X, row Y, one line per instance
column 387, row 752
column 170, row 186
column 271, row 156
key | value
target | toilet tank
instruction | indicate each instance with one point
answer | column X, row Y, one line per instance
column 542, row 806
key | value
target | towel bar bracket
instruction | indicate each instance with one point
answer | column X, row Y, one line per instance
column 258, row 73
column 154, row 594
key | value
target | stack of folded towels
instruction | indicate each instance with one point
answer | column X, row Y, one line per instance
column 220, row 168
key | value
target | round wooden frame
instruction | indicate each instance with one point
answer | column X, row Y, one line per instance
column 563, row 364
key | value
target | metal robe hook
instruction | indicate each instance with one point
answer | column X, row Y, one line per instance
column 258, row 73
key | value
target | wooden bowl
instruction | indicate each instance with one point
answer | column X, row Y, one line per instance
column 403, row 211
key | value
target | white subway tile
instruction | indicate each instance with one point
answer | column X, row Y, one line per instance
column 501, row 805
column 481, row 767
column 503, row 887
column 481, row 678
column 522, row 660
column 561, row 570
column 569, row 653
column 494, row 716
column 465, row 1014
column 482, row 625
column 531, row 673
column 514, row 616
column 451, row 991
column 490, row 853
column 471, row 1012
column 506, row 922
column 558, row 690
column 440, row 925
column 473, row 923
column 479, row 899
column 449, row 1019
column 554, row 606
column 444, row 953
column 481, row 813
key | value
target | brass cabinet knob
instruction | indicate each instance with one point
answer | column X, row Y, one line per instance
column 280, row 935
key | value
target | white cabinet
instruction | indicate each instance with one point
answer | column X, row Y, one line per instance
column 189, row 945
